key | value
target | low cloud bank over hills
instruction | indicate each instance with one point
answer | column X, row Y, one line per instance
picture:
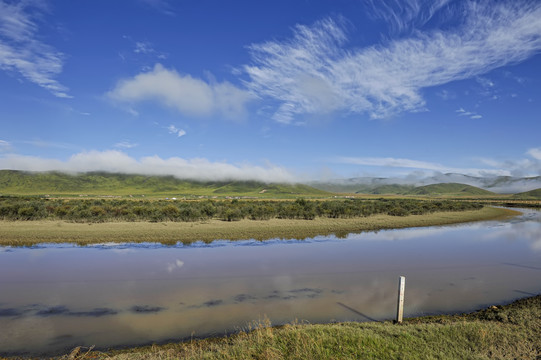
column 497, row 184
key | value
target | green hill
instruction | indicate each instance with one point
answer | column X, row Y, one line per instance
column 533, row 194
column 100, row 183
column 363, row 186
column 343, row 188
column 392, row 189
column 449, row 189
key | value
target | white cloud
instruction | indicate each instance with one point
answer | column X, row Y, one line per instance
column 143, row 47
column 446, row 95
column 146, row 48
column 488, row 88
column 173, row 130
column 188, row 95
column 419, row 165
column 470, row 114
column 125, row 145
column 21, row 52
column 299, row 73
column 405, row 15
column 485, row 82
column 117, row 161
column 132, row 112
column 162, row 6
column 524, row 167
column 314, row 72
column 535, row 153
column 48, row 144
column 5, row 146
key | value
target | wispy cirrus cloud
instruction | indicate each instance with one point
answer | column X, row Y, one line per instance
column 526, row 166
column 401, row 163
column 315, row 71
column 162, row 6
column 21, row 52
column 184, row 93
column 470, row 114
column 143, row 47
column 146, row 48
column 403, row 16
column 5, row 146
column 125, row 145
column 118, row 161
column 535, row 153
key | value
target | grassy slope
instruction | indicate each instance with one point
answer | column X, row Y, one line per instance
column 449, row 189
column 533, row 194
column 499, row 332
column 374, row 189
column 442, row 189
column 392, row 189
column 25, row 183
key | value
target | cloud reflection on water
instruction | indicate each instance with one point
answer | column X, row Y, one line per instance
column 177, row 264
column 519, row 231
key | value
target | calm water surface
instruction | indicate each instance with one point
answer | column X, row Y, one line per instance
column 55, row 297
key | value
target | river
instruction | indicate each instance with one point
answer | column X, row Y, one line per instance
column 56, row 297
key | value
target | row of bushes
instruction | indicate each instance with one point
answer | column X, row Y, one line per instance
column 101, row 210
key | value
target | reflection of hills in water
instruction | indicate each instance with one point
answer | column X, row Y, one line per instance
column 63, row 310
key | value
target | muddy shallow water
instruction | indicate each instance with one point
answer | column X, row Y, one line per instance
column 55, row 297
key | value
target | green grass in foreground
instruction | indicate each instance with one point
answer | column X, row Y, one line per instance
column 499, row 332
column 27, row 233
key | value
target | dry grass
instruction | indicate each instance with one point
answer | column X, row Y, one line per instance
column 25, row 233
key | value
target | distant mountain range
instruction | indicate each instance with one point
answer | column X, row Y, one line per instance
column 402, row 186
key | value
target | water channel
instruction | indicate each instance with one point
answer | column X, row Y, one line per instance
column 56, row 297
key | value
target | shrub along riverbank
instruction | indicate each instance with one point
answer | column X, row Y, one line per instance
column 27, row 233
column 106, row 210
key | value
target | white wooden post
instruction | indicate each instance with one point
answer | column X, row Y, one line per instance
column 400, row 307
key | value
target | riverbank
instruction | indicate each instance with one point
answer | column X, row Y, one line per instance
column 27, row 233
column 498, row 332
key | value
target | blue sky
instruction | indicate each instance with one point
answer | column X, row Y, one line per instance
column 271, row 90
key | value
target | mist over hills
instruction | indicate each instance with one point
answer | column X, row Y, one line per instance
column 100, row 183
column 34, row 183
column 379, row 185
column 456, row 189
